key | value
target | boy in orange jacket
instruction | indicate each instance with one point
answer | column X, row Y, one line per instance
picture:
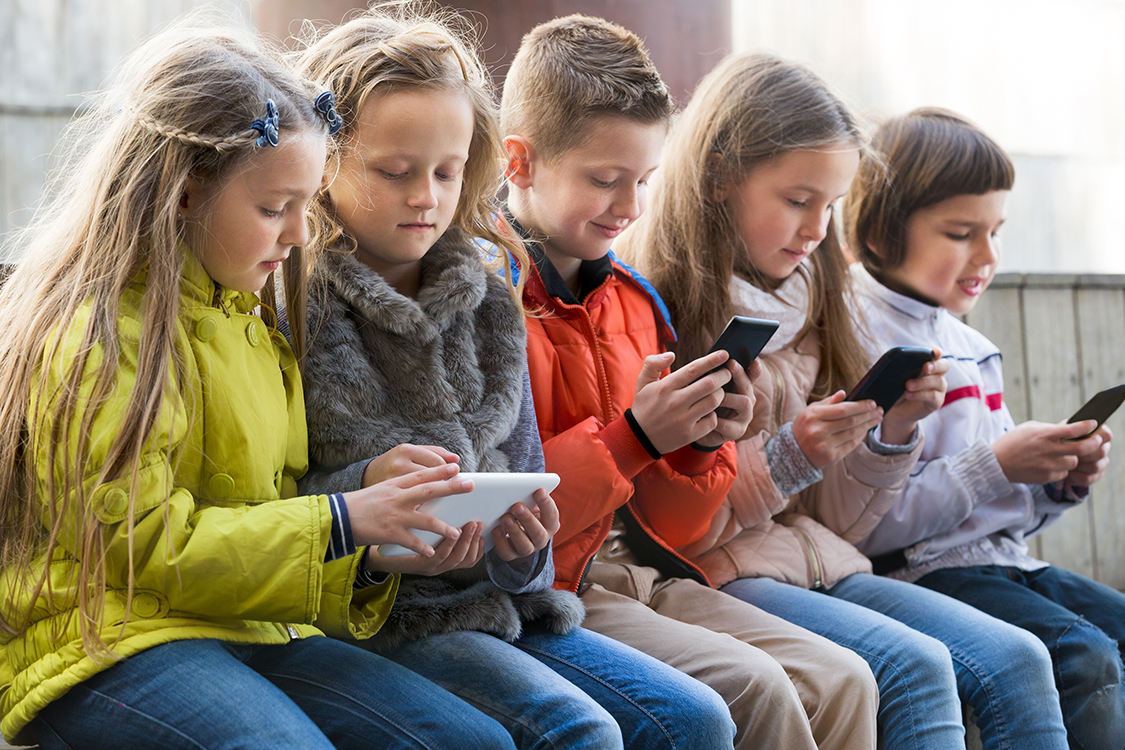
column 645, row 460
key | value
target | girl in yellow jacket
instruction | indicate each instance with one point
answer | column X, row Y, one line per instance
column 161, row 584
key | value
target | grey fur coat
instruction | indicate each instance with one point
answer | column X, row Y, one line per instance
column 447, row 368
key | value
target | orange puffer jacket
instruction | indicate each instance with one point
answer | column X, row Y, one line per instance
column 584, row 361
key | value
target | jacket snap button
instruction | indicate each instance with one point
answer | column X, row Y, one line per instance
column 222, row 485
column 116, row 503
column 253, row 335
column 146, row 605
column 206, row 328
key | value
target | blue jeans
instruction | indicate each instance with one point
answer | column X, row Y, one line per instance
column 656, row 706
column 311, row 694
column 1082, row 623
column 1003, row 672
column 918, row 703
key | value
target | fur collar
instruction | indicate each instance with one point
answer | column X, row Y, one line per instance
column 453, row 281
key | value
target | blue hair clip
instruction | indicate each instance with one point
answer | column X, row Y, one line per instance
column 325, row 105
column 268, row 126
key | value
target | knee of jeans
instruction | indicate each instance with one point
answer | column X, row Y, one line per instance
column 711, row 722
column 1084, row 648
column 925, row 659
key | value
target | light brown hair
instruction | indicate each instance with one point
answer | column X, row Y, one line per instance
column 396, row 46
column 569, row 72
column 919, row 159
column 748, row 110
column 180, row 110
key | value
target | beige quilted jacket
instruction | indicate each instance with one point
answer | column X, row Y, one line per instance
column 806, row 539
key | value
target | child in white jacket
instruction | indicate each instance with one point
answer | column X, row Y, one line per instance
column 923, row 217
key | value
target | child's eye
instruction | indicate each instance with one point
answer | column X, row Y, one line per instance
column 957, row 237
column 796, row 203
column 600, row 183
column 446, row 176
column 392, row 175
column 269, row 214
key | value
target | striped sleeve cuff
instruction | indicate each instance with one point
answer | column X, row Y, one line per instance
column 340, row 542
column 364, row 577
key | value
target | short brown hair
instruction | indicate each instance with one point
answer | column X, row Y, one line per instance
column 920, row 159
column 572, row 70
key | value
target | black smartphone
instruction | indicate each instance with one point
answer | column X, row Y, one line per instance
column 885, row 382
column 1100, row 407
column 744, row 338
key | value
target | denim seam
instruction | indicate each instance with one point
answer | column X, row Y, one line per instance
column 870, row 657
column 339, row 690
column 596, row 678
column 47, row 725
column 998, row 719
column 138, row 712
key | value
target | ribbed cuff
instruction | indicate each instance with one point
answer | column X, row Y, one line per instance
column 340, row 542
column 642, row 438
column 364, row 577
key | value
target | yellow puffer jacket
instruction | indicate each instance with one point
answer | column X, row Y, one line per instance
column 235, row 556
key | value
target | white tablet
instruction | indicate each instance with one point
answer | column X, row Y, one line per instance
column 491, row 497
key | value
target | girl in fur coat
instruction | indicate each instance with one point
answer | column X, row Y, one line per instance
column 417, row 357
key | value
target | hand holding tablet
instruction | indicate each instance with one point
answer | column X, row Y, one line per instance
column 491, row 497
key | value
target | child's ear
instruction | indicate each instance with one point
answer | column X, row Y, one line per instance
column 189, row 199
column 520, row 156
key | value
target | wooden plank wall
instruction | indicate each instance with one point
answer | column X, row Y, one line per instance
column 1063, row 339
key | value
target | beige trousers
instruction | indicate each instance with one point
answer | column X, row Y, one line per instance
column 787, row 688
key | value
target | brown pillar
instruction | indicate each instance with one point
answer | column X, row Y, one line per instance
column 685, row 37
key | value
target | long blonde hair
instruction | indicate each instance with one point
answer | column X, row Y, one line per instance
column 398, row 46
column 748, row 110
column 181, row 108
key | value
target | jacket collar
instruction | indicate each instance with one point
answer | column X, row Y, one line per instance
column 906, row 305
column 454, row 279
column 197, row 285
column 592, row 274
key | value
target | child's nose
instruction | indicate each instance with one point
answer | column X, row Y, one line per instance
column 815, row 228
column 987, row 252
column 628, row 204
column 423, row 196
column 296, row 231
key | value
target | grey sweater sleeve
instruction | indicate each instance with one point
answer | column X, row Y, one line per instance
column 524, row 450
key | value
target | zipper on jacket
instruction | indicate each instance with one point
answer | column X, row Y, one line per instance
column 779, row 393
column 293, row 634
column 599, row 363
column 818, row 582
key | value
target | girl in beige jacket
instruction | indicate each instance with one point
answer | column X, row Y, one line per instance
column 742, row 224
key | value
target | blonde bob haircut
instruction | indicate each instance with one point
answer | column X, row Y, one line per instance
column 569, row 72
column 919, row 159
column 180, row 109
column 749, row 109
column 394, row 47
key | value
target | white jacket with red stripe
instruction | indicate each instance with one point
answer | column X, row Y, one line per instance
column 957, row 509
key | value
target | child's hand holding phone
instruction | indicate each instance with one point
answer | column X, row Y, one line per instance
column 924, row 395
column 1092, row 465
column 1041, row 453
column 679, row 409
column 829, row 429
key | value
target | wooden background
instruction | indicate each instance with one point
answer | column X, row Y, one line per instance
column 1063, row 340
